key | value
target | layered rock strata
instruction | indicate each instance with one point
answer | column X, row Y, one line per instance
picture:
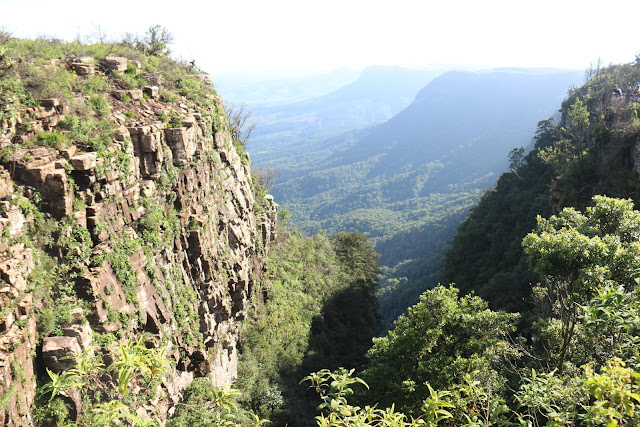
column 173, row 251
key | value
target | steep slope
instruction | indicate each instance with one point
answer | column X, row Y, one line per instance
column 599, row 155
column 407, row 183
column 131, row 233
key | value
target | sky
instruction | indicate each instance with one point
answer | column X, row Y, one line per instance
column 306, row 36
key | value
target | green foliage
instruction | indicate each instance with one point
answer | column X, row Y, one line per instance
column 13, row 96
column 100, row 105
column 120, row 262
column 129, row 80
column 334, row 388
column 438, row 341
column 204, row 404
column 87, row 131
column 605, row 398
column 155, row 42
column 52, row 139
column 317, row 310
column 133, row 364
column 92, row 85
column 54, row 82
column 516, row 159
column 579, row 254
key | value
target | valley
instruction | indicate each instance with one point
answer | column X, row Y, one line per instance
column 408, row 182
column 442, row 246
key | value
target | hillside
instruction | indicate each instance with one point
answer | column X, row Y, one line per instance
column 143, row 270
column 374, row 97
column 486, row 255
column 408, row 182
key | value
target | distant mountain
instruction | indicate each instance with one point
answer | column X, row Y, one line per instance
column 375, row 96
column 408, row 182
column 258, row 89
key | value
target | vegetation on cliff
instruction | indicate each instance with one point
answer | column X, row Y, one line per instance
column 130, row 237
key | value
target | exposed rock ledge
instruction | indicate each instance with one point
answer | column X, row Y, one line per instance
column 193, row 171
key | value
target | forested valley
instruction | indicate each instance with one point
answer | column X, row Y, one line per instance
column 536, row 318
column 148, row 278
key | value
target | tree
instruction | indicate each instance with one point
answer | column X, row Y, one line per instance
column 437, row 342
column 572, row 140
column 239, row 125
column 516, row 159
column 350, row 317
column 579, row 254
column 155, row 42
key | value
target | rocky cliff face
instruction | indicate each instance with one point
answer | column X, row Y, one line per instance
column 158, row 234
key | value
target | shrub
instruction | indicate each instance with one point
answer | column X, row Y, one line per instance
column 52, row 139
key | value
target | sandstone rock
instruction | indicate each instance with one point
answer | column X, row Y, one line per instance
column 119, row 94
column 84, row 161
column 55, row 349
column 122, row 134
column 12, row 218
column 44, row 112
column 182, row 145
column 154, row 79
column 6, row 184
column 136, row 94
column 16, row 267
column 151, row 143
column 69, row 152
column 50, row 102
column 56, row 193
column 83, row 69
column 115, row 63
column 151, row 91
column 6, row 323
column 81, row 332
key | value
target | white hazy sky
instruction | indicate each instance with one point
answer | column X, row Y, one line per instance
column 257, row 35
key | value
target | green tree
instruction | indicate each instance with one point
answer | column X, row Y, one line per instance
column 357, row 255
column 516, row 159
column 579, row 254
column 435, row 344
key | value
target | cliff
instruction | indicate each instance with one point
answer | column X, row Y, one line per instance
column 127, row 215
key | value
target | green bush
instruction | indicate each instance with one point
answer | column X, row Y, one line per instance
column 52, row 139
column 100, row 105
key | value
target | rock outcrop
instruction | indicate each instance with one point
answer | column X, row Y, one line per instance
column 158, row 228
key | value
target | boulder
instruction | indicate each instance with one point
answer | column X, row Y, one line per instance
column 151, row 91
column 81, row 332
column 120, row 95
column 136, row 94
column 84, row 161
column 55, row 351
column 83, row 69
column 115, row 63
